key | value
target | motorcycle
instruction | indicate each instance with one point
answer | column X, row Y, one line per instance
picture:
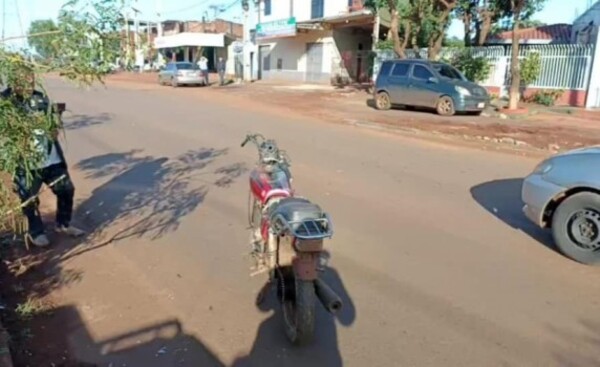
column 287, row 234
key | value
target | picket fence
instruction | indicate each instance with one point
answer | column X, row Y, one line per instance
column 563, row 66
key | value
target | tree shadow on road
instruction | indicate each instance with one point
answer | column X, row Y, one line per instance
column 502, row 198
column 147, row 197
column 76, row 122
column 272, row 348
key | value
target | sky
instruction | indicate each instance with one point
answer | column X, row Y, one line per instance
column 20, row 13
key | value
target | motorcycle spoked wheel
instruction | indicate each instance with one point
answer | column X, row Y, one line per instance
column 298, row 307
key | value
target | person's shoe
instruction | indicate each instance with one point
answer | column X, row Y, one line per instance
column 40, row 240
column 70, row 231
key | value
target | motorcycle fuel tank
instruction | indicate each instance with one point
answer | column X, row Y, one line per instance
column 265, row 185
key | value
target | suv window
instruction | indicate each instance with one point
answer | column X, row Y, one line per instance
column 385, row 68
column 448, row 71
column 421, row 72
column 400, row 69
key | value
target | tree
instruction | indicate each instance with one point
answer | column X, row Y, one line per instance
column 478, row 17
column 83, row 57
column 398, row 10
column 42, row 37
column 518, row 10
column 441, row 11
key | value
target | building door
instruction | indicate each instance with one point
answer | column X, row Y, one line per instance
column 264, row 60
column 314, row 62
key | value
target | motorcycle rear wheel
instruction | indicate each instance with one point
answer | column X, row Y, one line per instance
column 300, row 311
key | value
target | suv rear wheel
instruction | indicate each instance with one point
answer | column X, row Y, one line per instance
column 382, row 101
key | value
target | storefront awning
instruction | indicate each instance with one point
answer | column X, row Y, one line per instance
column 190, row 39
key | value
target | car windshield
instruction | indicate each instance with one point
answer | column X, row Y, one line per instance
column 186, row 66
column 448, row 71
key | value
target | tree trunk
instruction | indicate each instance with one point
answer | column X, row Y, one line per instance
column 467, row 18
column 435, row 46
column 394, row 30
column 485, row 25
column 513, row 100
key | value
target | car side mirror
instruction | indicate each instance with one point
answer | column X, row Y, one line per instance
column 432, row 80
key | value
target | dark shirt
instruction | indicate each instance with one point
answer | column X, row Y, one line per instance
column 220, row 66
column 37, row 102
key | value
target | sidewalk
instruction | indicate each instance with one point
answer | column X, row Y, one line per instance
column 546, row 130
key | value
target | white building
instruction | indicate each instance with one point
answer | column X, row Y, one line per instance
column 314, row 40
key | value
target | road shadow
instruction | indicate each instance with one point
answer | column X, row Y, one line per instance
column 502, row 198
column 76, row 122
column 147, row 197
column 584, row 345
column 61, row 338
column 272, row 348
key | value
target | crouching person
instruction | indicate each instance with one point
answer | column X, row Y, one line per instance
column 52, row 170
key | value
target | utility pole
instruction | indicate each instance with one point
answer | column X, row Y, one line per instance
column 3, row 19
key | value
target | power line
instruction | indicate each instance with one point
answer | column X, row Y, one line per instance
column 186, row 8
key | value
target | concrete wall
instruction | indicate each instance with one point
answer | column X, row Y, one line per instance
column 292, row 53
column 280, row 9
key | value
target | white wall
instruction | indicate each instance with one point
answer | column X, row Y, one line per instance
column 292, row 52
column 280, row 9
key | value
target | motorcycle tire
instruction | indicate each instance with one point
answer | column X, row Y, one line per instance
column 301, row 313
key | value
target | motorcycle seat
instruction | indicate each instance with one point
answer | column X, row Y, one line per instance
column 296, row 210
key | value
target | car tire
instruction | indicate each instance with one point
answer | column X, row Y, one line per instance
column 383, row 101
column 445, row 106
column 576, row 213
column 174, row 83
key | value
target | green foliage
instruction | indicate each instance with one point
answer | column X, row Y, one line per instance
column 474, row 68
column 80, row 50
column 546, row 97
column 531, row 68
column 453, row 42
column 42, row 37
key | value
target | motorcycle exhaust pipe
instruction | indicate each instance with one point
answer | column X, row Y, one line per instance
column 329, row 299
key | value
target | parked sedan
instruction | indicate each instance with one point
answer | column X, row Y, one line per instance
column 563, row 193
column 421, row 83
column 180, row 73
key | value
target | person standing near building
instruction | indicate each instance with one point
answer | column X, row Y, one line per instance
column 203, row 65
column 221, row 64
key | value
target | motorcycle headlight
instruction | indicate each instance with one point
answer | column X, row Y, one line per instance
column 462, row 91
column 543, row 168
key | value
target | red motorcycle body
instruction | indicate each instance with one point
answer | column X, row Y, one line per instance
column 266, row 186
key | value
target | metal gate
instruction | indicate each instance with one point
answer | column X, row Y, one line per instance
column 314, row 62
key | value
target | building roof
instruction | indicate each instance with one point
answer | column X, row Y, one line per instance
column 553, row 33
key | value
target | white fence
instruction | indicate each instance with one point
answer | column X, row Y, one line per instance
column 563, row 66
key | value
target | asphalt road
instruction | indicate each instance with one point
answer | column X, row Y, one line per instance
column 431, row 254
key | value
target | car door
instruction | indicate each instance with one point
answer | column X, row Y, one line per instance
column 398, row 83
column 423, row 86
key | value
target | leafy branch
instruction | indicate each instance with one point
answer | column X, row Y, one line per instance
column 79, row 48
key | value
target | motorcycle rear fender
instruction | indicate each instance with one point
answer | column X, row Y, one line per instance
column 315, row 245
column 305, row 265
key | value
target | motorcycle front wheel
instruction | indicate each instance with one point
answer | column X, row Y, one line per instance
column 299, row 312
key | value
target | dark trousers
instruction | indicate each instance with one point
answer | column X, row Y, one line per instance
column 64, row 191
column 222, row 77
